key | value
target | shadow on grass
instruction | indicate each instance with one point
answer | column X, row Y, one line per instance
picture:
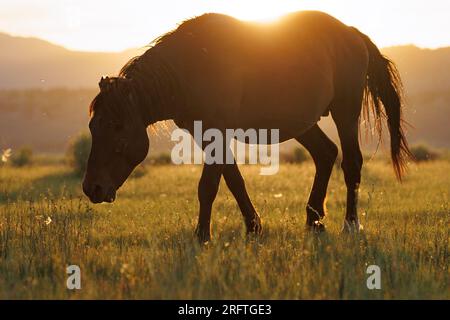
column 52, row 186
column 184, row 236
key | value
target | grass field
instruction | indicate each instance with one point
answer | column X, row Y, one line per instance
column 143, row 245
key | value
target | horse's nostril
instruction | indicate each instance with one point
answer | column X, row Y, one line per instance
column 97, row 193
column 93, row 191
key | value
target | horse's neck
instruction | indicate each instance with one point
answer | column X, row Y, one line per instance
column 159, row 91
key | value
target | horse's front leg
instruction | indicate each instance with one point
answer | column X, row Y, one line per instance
column 236, row 184
column 207, row 191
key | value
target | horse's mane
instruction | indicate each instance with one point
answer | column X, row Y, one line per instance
column 183, row 26
column 153, row 79
column 189, row 24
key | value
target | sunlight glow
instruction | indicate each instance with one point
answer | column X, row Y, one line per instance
column 261, row 11
column 104, row 25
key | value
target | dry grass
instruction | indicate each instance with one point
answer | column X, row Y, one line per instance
column 143, row 246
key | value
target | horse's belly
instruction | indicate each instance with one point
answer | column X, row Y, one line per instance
column 293, row 99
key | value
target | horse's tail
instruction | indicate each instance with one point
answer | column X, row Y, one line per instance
column 384, row 87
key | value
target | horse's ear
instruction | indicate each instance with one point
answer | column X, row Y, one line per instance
column 104, row 83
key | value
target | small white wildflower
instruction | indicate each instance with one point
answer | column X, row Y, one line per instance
column 6, row 154
column 48, row 221
column 278, row 195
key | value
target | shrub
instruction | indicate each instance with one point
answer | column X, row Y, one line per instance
column 300, row 155
column 162, row 158
column 78, row 153
column 297, row 155
column 423, row 153
column 138, row 172
column 22, row 157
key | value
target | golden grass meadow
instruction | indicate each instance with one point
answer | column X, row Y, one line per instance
column 143, row 246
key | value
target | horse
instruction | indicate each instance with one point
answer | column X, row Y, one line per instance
column 230, row 73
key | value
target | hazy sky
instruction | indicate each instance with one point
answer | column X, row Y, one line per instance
column 105, row 25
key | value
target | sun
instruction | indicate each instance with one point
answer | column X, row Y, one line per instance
column 260, row 11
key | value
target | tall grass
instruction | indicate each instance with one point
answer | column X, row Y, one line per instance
column 143, row 245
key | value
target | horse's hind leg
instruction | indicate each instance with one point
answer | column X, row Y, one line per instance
column 236, row 184
column 324, row 153
column 352, row 160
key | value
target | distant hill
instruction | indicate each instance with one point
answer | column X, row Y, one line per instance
column 35, row 63
column 47, row 119
column 423, row 70
column 45, row 90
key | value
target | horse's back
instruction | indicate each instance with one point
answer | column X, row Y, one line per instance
column 277, row 74
column 289, row 77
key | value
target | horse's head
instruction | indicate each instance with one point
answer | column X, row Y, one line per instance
column 119, row 139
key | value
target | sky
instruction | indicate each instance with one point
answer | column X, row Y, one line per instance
column 113, row 25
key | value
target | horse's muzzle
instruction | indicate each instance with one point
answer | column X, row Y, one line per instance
column 98, row 194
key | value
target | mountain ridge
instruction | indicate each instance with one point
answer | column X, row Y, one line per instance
column 47, row 88
column 29, row 62
column 35, row 63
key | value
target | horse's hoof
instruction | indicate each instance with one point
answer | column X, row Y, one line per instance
column 203, row 241
column 254, row 227
column 352, row 227
column 203, row 237
column 316, row 227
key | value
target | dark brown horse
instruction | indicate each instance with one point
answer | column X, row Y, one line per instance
column 234, row 74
